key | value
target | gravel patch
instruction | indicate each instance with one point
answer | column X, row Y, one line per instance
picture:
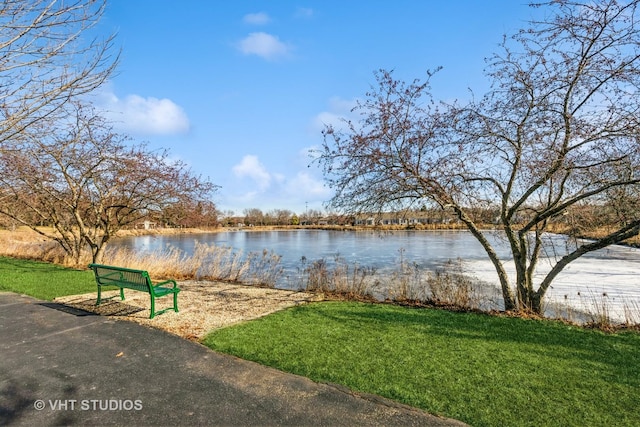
column 203, row 306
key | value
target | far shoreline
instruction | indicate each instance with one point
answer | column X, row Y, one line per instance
column 204, row 230
column 159, row 231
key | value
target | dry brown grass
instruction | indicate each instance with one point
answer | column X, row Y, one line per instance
column 207, row 262
column 595, row 233
column 25, row 243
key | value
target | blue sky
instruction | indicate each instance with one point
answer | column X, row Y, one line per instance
column 240, row 90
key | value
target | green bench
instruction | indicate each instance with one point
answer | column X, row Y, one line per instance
column 139, row 280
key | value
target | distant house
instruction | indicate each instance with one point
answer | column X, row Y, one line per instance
column 146, row 225
column 365, row 220
column 407, row 218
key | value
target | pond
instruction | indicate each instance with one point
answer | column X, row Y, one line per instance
column 608, row 276
column 367, row 248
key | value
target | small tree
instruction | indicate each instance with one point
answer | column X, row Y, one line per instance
column 283, row 216
column 87, row 183
column 227, row 218
column 190, row 213
column 253, row 216
column 558, row 131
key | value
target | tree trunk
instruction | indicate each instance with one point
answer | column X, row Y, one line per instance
column 510, row 302
column 98, row 252
column 528, row 300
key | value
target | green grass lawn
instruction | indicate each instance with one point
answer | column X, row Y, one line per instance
column 43, row 280
column 486, row 371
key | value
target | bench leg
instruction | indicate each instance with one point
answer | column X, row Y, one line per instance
column 99, row 295
column 175, row 302
column 122, row 294
column 153, row 307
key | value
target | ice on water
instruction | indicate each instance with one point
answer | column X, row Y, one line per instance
column 606, row 282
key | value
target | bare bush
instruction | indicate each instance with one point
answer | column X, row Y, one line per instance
column 264, row 268
column 450, row 286
column 408, row 283
column 342, row 278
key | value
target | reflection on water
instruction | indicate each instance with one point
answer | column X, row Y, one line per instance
column 611, row 271
column 372, row 249
column 426, row 249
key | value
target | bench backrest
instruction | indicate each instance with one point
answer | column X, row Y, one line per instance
column 107, row 275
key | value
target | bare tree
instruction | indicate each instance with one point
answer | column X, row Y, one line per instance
column 253, row 216
column 227, row 218
column 191, row 214
column 47, row 57
column 559, row 130
column 86, row 182
column 279, row 216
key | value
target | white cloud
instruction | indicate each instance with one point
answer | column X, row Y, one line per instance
column 342, row 105
column 251, row 167
column 270, row 190
column 246, row 199
column 304, row 12
column 327, row 118
column 263, row 45
column 140, row 115
column 338, row 109
column 259, row 18
column 306, row 186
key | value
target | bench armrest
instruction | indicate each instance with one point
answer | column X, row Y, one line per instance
column 175, row 285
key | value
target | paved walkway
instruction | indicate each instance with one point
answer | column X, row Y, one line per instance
column 63, row 366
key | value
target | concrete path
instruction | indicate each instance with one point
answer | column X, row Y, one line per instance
column 63, row 366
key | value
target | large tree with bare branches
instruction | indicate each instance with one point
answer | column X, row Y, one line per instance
column 86, row 182
column 558, row 131
column 48, row 57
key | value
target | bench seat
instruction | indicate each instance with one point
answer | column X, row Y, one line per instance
column 139, row 280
